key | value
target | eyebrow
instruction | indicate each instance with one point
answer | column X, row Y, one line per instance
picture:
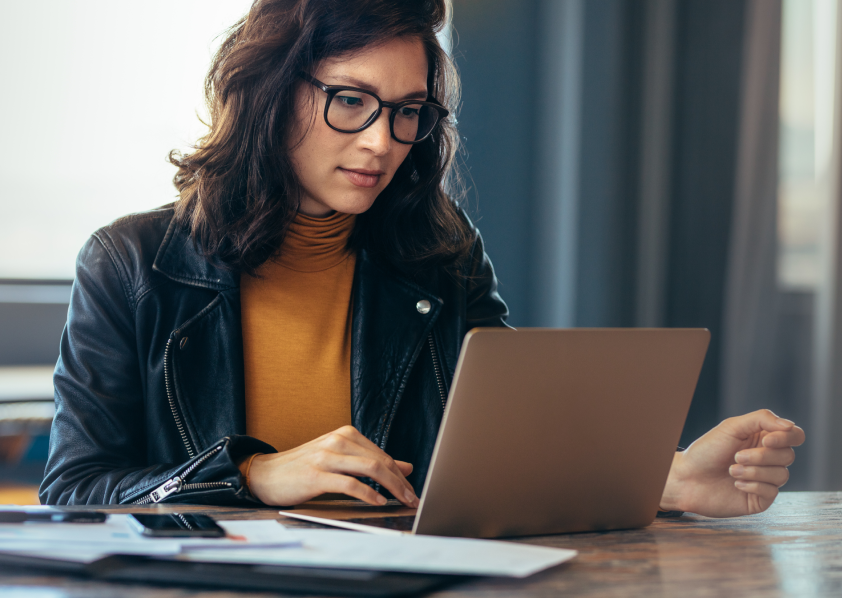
column 415, row 95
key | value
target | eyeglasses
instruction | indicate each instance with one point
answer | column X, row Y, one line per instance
column 350, row 110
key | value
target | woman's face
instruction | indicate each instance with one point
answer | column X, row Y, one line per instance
column 345, row 172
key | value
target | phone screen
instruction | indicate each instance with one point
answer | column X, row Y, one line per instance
column 177, row 525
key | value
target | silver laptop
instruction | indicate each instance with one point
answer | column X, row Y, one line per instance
column 551, row 431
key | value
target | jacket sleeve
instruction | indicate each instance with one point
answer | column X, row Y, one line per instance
column 98, row 437
column 485, row 306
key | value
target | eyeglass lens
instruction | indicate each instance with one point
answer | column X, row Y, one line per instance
column 350, row 110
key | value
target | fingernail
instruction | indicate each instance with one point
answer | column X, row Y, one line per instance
column 741, row 458
column 740, row 484
column 381, row 500
column 737, row 470
column 784, row 422
column 411, row 499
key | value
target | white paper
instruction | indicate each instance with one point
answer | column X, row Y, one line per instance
column 408, row 553
column 269, row 542
column 87, row 542
column 255, row 534
column 112, row 537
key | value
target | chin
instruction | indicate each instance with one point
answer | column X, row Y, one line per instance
column 354, row 205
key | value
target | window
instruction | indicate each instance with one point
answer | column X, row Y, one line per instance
column 808, row 69
column 96, row 93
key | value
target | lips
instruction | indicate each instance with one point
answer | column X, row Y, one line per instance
column 361, row 177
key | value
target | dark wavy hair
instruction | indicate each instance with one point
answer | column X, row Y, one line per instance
column 238, row 190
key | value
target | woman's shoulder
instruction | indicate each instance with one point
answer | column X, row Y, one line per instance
column 477, row 253
column 124, row 252
column 133, row 231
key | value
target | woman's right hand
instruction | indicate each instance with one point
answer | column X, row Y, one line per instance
column 329, row 464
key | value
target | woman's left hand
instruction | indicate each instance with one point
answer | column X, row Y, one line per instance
column 735, row 469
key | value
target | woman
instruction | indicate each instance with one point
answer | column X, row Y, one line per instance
column 291, row 323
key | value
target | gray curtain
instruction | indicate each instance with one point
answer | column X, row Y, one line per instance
column 752, row 300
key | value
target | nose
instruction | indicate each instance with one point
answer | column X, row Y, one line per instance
column 377, row 137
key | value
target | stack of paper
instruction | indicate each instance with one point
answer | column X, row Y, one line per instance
column 87, row 542
column 269, row 542
column 417, row 554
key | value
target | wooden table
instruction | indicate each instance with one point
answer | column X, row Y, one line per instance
column 794, row 549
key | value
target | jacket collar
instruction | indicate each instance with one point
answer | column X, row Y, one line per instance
column 179, row 259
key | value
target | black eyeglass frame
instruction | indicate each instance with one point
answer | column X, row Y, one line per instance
column 332, row 90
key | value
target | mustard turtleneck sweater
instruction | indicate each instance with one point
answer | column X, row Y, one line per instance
column 296, row 320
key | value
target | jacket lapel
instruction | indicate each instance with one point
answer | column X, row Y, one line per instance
column 388, row 333
column 207, row 364
column 207, row 347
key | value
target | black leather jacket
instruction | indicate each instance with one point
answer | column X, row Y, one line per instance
column 149, row 386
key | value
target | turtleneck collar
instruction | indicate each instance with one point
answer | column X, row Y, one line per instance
column 316, row 244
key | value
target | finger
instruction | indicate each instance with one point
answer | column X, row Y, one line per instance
column 765, row 491
column 406, row 468
column 353, row 435
column 793, row 437
column 777, row 476
column 766, row 456
column 369, row 468
column 343, row 484
column 348, row 441
column 743, row 426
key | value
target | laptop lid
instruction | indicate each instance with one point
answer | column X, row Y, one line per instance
column 559, row 430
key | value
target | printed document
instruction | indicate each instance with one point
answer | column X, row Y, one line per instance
column 269, row 542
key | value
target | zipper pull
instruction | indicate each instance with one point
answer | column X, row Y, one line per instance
column 164, row 490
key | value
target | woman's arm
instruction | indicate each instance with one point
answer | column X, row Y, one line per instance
column 98, row 441
column 735, row 469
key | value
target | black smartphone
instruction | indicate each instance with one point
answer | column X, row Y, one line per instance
column 176, row 525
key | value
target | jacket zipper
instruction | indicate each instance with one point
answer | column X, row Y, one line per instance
column 171, row 398
column 439, row 383
column 176, row 484
column 437, row 368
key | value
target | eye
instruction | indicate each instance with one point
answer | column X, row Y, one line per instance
column 350, row 100
column 408, row 112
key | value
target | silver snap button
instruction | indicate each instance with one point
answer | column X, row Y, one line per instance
column 183, row 344
column 423, row 306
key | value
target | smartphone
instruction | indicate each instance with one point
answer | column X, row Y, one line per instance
column 176, row 525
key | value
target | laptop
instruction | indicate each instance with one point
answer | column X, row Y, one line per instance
column 551, row 431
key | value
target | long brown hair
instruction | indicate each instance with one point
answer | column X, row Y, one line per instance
column 238, row 190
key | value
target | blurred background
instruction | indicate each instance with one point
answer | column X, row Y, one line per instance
column 629, row 163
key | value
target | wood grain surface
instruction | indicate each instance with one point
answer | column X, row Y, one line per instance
column 794, row 549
